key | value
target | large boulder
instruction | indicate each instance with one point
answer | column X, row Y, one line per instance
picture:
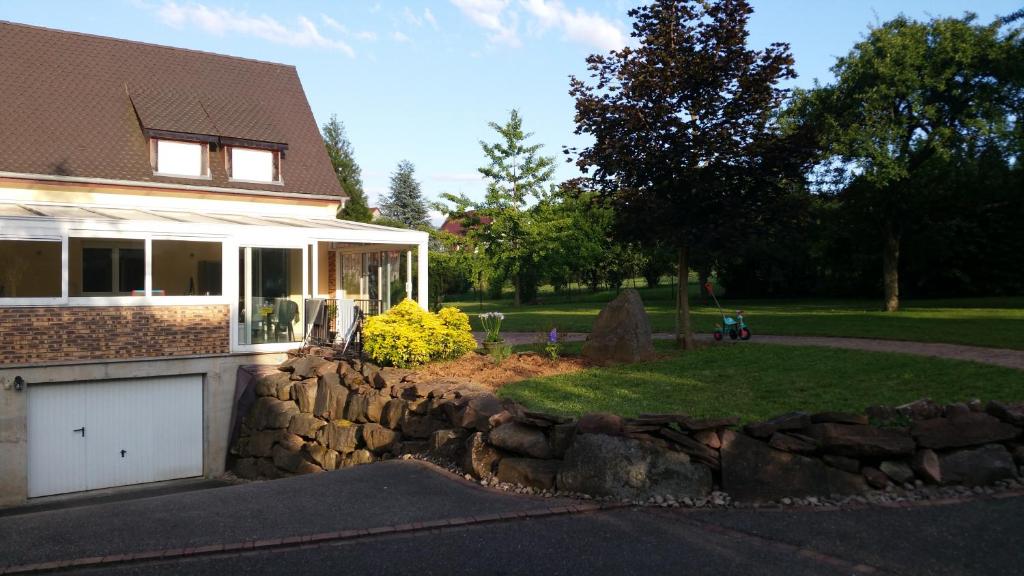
column 621, row 333
column 531, row 472
column 977, row 467
column 860, row 441
column 480, row 458
column 304, row 394
column 603, row 465
column 971, row 429
column 268, row 385
column 600, row 423
column 521, row 439
column 752, row 470
column 379, row 439
column 340, row 435
column 269, row 412
column 305, row 425
column 331, row 398
column 789, row 421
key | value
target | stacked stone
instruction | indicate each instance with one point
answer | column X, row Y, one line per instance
column 315, row 414
column 797, row 454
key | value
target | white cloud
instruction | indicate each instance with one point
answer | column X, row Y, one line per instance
column 429, row 17
column 363, row 35
column 490, row 15
column 334, row 23
column 580, row 26
column 412, row 18
column 400, row 38
column 436, row 217
column 367, row 35
column 221, row 21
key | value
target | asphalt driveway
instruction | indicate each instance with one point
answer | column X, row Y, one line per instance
column 407, row 517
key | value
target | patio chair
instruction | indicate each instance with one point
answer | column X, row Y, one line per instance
column 286, row 313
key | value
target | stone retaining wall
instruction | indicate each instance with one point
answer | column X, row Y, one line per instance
column 315, row 415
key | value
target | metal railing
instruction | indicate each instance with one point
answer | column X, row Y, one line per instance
column 337, row 323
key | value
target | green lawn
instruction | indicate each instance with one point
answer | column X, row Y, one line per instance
column 756, row 381
column 994, row 322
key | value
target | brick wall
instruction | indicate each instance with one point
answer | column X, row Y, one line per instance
column 61, row 334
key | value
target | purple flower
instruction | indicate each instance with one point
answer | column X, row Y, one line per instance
column 553, row 336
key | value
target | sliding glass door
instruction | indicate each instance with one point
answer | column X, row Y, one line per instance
column 270, row 295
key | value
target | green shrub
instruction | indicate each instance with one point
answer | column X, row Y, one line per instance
column 407, row 335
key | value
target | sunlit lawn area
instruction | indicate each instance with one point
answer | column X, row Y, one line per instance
column 994, row 322
column 756, row 381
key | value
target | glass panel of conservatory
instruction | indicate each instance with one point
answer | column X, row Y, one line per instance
column 270, row 294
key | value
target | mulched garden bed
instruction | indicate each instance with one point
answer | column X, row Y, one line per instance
column 519, row 366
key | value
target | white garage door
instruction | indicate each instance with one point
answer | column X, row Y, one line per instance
column 89, row 435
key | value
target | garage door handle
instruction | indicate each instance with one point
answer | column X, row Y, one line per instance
column 82, row 430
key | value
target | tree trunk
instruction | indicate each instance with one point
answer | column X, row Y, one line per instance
column 684, row 333
column 890, row 270
column 517, row 299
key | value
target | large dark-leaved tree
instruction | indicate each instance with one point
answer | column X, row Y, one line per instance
column 914, row 105
column 339, row 149
column 685, row 149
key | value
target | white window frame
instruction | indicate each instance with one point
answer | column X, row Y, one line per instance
column 115, row 272
column 276, row 170
column 154, row 157
column 42, row 300
column 294, row 244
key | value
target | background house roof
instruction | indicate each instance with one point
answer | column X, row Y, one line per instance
column 76, row 105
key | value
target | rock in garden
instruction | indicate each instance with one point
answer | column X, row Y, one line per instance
column 392, row 414
column 321, row 456
column 922, row 409
column 388, row 377
column 925, row 464
column 898, row 470
column 246, row 468
column 341, row 435
column 621, row 333
column 267, row 385
column 358, row 457
column 304, row 394
column 971, row 429
column 783, row 422
column 330, row 396
column 269, row 412
column 1018, row 454
column 379, row 439
column 752, row 470
column 284, row 390
column 793, row 442
column 875, row 477
column 305, row 425
column 696, row 450
column 306, row 366
column 708, row 438
column 376, row 402
column 416, row 426
column 1012, row 414
column 521, row 439
column 446, row 443
column 862, row 441
column 695, row 425
column 600, row 423
column 530, row 472
column 561, row 437
column 478, row 411
column 480, row 458
column 293, row 462
column 977, row 467
column 602, row 465
column 289, row 441
column 851, row 465
column 357, row 407
column 955, row 409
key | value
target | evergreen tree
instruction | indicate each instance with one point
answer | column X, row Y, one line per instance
column 405, row 204
column 339, row 149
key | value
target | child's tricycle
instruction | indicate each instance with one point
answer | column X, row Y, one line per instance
column 734, row 327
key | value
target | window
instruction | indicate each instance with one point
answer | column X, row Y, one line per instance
column 175, row 158
column 270, row 297
column 253, row 165
column 30, row 269
column 103, row 267
column 187, row 268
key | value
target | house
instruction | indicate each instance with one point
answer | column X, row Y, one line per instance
column 455, row 224
column 375, row 213
column 166, row 216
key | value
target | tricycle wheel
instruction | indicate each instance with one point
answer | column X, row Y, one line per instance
column 717, row 335
column 733, row 334
column 745, row 334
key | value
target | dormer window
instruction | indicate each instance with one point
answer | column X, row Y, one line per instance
column 253, row 164
column 178, row 158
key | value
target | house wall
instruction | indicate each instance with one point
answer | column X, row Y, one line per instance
column 219, row 399
column 48, row 335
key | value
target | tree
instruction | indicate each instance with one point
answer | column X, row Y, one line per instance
column 684, row 137
column 912, row 103
column 339, row 149
column 515, row 237
column 405, row 203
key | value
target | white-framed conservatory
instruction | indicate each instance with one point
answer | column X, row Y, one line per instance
column 266, row 268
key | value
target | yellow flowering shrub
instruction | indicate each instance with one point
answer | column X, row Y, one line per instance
column 407, row 335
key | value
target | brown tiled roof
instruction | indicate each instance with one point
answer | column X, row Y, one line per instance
column 76, row 105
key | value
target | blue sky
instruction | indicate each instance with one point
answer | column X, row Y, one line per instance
column 420, row 80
